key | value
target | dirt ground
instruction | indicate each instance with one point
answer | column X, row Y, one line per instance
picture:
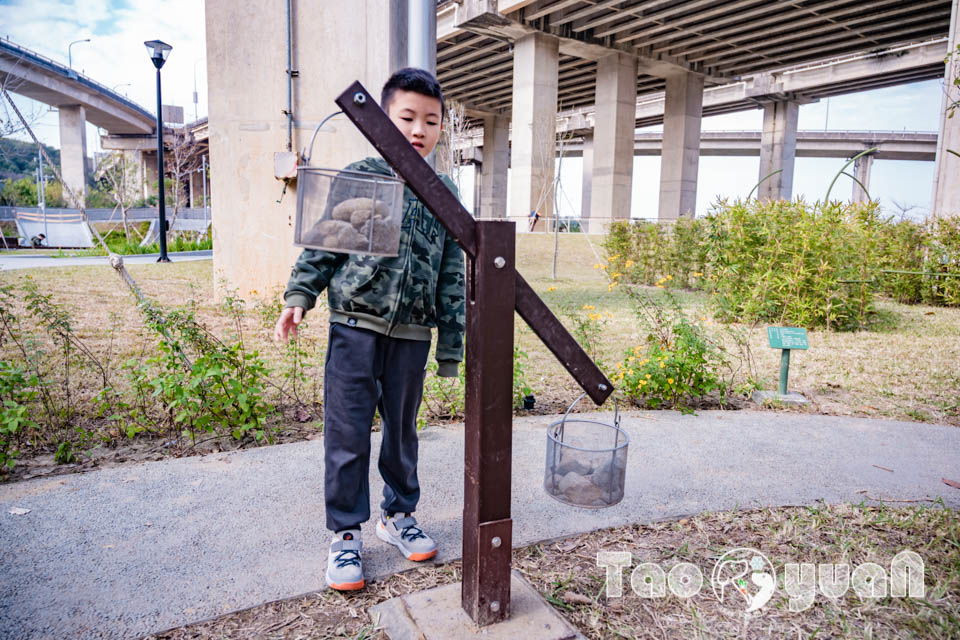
column 567, row 575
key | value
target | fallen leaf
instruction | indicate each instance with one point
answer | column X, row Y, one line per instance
column 576, row 598
column 108, row 546
column 952, row 483
column 302, row 415
column 18, row 511
column 568, row 547
column 929, row 313
column 148, row 524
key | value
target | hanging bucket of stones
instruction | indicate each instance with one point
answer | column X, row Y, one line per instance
column 348, row 211
column 586, row 460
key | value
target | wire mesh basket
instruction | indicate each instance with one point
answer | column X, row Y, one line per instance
column 348, row 211
column 586, row 460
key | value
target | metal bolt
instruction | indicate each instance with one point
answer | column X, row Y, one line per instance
column 495, row 606
column 603, row 387
column 496, row 542
column 359, row 98
column 499, row 262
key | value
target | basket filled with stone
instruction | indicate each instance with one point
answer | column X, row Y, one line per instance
column 586, row 460
column 348, row 211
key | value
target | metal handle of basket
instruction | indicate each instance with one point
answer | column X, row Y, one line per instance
column 308, row 153
column 616, row 413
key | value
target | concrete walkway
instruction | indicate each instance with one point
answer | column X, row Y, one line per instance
column 9, row 261
column 122, row 552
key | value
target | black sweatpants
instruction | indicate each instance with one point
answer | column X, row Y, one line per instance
column 367, row 371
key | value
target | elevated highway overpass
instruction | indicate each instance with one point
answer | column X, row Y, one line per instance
column 605, row 67
column 78, row 99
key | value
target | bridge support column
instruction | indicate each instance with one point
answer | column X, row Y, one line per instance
column 616, row 99
column 73, row 151
column 861, row 171
column 680, row 159
column 493, row 178
column 946, row 187
column 587, row 187
column 535, row 65
column 778, row 150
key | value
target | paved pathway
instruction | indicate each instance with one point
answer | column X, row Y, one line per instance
column 9, row 261
column 121, row 552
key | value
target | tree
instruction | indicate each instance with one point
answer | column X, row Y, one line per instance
column 118, row 175
column 185, row 158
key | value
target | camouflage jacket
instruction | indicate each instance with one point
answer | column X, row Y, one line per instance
column 403, row 296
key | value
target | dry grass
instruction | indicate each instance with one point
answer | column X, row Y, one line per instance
column 904, row 368
column 567, row 575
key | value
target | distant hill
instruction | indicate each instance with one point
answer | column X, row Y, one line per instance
column 18, row 159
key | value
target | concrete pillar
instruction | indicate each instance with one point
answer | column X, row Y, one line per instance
column 73, row 151
column 493, row 179
column 683, row 108
column 778, row 150
column 613, row 128
column 587, row 188
column 861, row 171
column 196, row 188
column 246, row 47
column 945, row 200
column 532, row 156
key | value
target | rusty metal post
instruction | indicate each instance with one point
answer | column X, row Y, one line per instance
column 487, row 528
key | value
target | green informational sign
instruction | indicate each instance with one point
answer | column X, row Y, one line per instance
column 787, row 338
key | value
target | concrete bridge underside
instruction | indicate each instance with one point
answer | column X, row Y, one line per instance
column 78, row 100
column 602, row 68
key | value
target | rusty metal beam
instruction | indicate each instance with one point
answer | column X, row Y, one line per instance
column 369, row 118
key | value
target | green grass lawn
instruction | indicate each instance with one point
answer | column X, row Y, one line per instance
column 904, row 368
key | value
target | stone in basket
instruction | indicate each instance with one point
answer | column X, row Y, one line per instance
column 586, row 460
column 348, row 211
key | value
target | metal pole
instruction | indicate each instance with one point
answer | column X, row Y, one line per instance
column 422, row 43
column 161, row 201
column 289, row 77
column 42, row 200
column 203, row 176
column 487, row 527
column 784, row 368
column 422, row 35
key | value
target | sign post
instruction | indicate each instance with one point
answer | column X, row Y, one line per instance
column 494, row 291
column 785, row 339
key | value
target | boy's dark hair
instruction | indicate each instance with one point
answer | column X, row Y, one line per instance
column 415, row 80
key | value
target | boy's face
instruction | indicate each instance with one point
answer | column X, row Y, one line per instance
column 418, row 118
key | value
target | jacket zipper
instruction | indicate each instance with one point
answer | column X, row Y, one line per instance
column 406, row 271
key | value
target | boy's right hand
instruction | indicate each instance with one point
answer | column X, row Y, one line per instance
column 287, row 323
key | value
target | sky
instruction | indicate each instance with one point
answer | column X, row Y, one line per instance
column 116, row 57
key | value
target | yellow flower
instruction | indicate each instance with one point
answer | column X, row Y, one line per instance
column 659, row 286
column 609, row 314
column 615, row 275
column 597, row 266
column 551, row 288
column 588, row 307
column 611, row 286
column 669, row 380
column 628, row 264
column 669, row 277
column 662, row 365
column 603, row 266
column 648, row 376
column 697, row 274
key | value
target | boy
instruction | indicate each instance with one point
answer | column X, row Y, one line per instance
column 382, row 310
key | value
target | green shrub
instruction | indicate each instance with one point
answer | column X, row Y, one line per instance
column 793, row 263
column 645, row 252
column 677, row 365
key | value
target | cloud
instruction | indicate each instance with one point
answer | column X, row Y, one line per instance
column 116, row 57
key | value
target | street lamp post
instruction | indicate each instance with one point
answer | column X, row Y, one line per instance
column 158, row 54
column 70, row 53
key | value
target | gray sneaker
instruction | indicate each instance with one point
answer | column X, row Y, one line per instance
column 404, row 534
column 344, row 569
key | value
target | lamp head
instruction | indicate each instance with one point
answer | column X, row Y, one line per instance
column 158, row 51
